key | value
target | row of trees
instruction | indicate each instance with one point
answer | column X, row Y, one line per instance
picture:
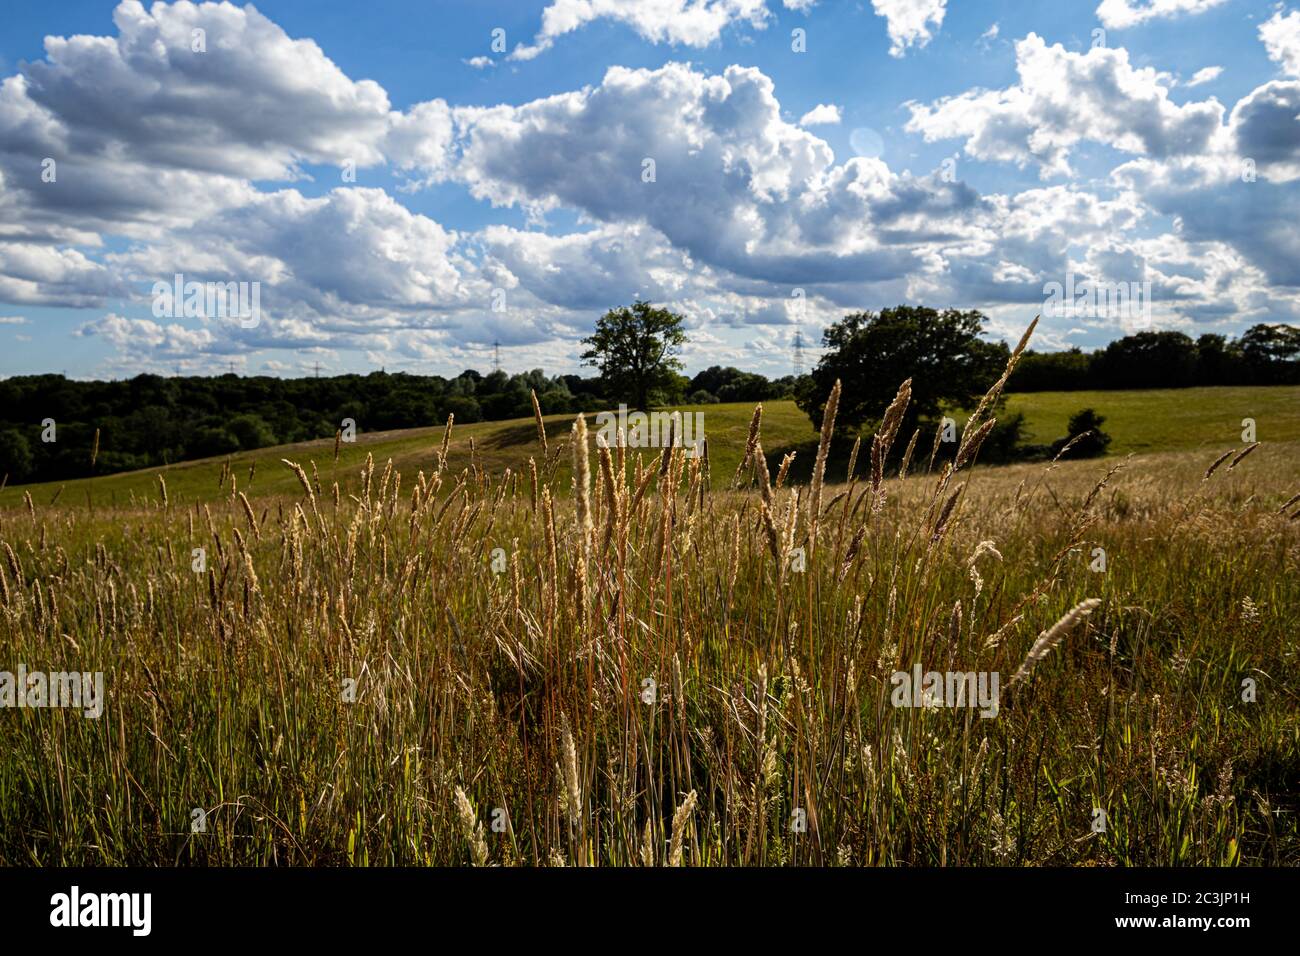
column 150, row 420
column 1262, row 355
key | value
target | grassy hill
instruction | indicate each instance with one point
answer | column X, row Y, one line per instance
column 1138, row 421
column 1176, row 419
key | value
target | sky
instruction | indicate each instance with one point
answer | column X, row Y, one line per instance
column 411, row 185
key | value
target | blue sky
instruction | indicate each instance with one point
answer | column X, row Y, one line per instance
column 932, row 151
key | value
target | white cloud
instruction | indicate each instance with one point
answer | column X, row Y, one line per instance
column 694, row 23
column 1206, row 75
column 40, row 274
column 823, row 114
column 1118, row 14
column 144, row 335
column 1064, row 98
column 734, row 184
column 254, row 105
column 145, row 133
column 909, row 21
column 13, row 320
column 745, row 205
column 1281, row 37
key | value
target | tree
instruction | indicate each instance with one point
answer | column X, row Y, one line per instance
column 1218, row 362
column 1269, row 351
column 1086, row 423
column 872, row 353
column 635, row 349
column 1051, row 372
column 251, row 431
column 15, row 454
column 1147, row 360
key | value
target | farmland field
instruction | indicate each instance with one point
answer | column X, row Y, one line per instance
column 615, row 658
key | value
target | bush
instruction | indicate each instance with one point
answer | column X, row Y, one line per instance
column 1086, row 423
column 1003, row 442
column 15, row 454
column 251, row 431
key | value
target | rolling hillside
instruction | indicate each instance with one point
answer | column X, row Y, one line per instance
column 1138, row 421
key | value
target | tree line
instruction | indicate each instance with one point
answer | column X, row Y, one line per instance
column 151, row 420
column 1263, row 355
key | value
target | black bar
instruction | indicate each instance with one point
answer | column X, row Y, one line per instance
column 566, row 907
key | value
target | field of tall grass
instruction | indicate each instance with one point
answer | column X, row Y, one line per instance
column 616, row 663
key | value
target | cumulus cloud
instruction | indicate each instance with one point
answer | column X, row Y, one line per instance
column 38, row 274
column 910, row 22
column 1118, row 14
column 153, row 127
column 1281, row 38
column 708, row 161
column 823, row 114
column 1064, row 98
column 695, row 23
column 254, row 103
column 146, row 336
column 678, row 184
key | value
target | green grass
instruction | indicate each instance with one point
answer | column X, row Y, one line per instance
column 224, row 688
column 368, row 677
column 1167, row 419
column 1138, row 421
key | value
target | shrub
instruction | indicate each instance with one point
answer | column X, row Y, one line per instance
column 1085, row 426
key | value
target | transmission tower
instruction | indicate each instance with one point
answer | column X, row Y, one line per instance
column 496, row 356
column 798, row 353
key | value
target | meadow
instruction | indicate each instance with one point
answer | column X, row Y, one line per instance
column 527, row 649
column 1152, row 420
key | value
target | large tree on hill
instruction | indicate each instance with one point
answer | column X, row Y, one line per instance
column 1164, row 359
column 635, row 347
column 871, row 353
column 1270, row 352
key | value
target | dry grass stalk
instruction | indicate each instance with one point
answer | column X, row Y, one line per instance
column 446, row 442
column 582, row 481
column 760, row 470
column 853, row 460
column 969, row 449
column 784, row 471
column 1215, row 465
column 1051, row 637
column 681, row 820
column 573, row 789
column 755, row 426
column 819, row 466
column 991, row 396
column 472, row 829
column 907, row 455
column 1241, row 456
column 541, row 427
